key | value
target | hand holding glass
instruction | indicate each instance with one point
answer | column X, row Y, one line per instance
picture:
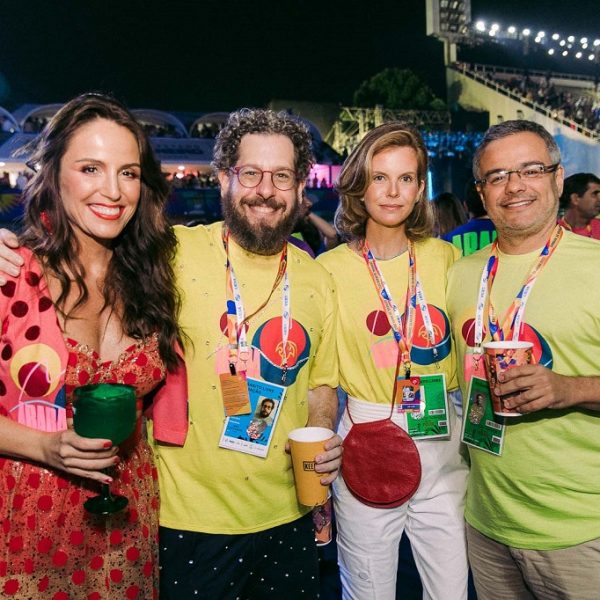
column 105, row 410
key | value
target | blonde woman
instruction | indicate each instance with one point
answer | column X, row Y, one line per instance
column 391, row 278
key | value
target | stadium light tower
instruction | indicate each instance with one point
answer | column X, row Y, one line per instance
column 449, row 21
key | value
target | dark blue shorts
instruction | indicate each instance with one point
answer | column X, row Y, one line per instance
column 277, row 563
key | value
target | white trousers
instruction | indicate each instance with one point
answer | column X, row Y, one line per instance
column 368, row 538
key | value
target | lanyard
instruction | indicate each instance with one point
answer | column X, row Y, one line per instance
column 236, row 316
column 403, row 328
column 588, row 228
column 426, row 316
column 513, row 318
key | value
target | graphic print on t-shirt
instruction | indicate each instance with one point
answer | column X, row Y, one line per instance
column 267, row 340
column 542, row 354
column 267, row 352
column 384, row 351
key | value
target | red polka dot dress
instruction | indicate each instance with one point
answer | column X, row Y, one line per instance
column 50, row 547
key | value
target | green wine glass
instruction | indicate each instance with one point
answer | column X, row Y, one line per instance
column 105, row 410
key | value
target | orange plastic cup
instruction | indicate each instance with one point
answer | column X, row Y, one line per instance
column 305, row 444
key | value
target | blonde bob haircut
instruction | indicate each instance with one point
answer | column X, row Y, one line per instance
column 351, row 216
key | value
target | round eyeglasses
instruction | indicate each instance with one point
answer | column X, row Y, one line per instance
column 249, row 177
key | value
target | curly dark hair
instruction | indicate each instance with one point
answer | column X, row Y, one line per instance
column 257, row 120
column 351, row 215
column 139, row 278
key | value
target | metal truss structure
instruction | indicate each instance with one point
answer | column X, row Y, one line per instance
column 353, row 123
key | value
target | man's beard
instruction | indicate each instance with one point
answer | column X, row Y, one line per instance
column 259, row 239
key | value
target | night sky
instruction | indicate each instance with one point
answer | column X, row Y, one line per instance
column 219, row 55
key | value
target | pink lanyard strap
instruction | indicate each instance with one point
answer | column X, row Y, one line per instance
column 402, row 325
column 511, row 324
column 236, row 318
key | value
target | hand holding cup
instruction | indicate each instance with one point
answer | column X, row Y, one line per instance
column 499, row 357
column 305, row 444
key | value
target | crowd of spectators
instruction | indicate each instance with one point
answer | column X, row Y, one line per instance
column 34, row 124
column 451, row 143
column 206, row 130
column 197, row 180
column 583, row 106
column 193, row 180
column 314, row 182
column 162, row 130
column 19, row 183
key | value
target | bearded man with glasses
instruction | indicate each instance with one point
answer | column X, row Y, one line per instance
column 533, row 501
column 254, row 307
column 272, row 210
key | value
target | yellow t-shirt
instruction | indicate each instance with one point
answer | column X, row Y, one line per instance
column 214, row 490
column 543, row 493
column 366, row 346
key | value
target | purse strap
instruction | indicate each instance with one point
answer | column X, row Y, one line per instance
column 393, row 393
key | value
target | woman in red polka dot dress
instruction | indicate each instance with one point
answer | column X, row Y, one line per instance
column 94, row 302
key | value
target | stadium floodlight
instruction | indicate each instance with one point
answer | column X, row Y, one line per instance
column 512, row 29
column 583, row 40
column 555, row 36
column 584, row 46
column 591, row 57
column 565, row 53
column 571, row 39
column 562, row 43
column 480, row 26
column 495, row 26
column 578, row 55
column 492, row 32
column 596, row 42
column 551, row 51
column 541, row 34
column 526, row 32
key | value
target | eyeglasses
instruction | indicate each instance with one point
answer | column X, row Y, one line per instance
column 501, row 177
column 249, row 177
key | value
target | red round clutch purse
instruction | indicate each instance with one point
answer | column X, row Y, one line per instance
column 381, row 464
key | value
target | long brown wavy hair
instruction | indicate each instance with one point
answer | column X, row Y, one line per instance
column 351, row 216
column 139, row 279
